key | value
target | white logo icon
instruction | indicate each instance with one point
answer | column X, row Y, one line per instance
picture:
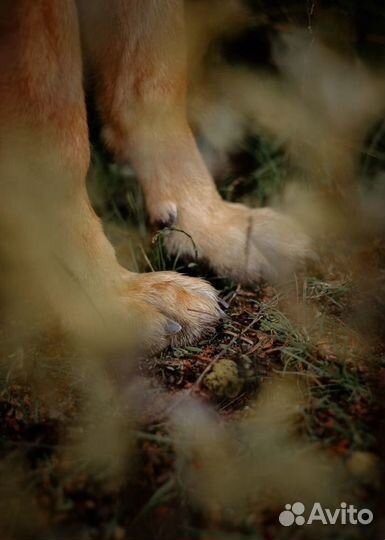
column 293, row 514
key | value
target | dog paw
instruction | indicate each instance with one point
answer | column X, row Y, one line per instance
column 242, row 243
column 177, row 309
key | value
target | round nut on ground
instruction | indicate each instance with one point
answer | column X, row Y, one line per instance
column 365, row 466
column 224, row 379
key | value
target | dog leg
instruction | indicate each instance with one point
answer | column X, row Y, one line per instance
column 52, row 242
column 136, row 50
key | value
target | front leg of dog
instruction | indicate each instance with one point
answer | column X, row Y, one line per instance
column 56, row 252
column 141, row 94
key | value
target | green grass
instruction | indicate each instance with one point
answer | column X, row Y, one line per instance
column 335, row 386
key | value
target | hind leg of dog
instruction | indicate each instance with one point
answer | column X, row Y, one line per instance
column 138, row 57
column 55, row 246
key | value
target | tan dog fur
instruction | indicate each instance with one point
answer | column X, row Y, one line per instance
column 138, row 58
column 55, row 250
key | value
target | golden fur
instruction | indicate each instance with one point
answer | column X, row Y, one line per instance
column 55, row 250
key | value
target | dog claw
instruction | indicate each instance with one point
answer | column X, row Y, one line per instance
column 172, row 328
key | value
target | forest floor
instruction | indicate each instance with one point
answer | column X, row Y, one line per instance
column 321, row 329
